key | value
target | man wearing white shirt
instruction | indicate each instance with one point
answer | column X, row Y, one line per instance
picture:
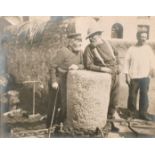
column 138, row 67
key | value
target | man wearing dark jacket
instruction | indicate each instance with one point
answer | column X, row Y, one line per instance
column 68, row 58
column 100, row 56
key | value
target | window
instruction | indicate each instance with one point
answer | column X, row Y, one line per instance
column 117, row 31
column 144, row 28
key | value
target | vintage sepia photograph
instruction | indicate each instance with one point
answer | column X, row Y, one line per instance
column 77, row 76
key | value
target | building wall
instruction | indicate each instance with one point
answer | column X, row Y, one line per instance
column 130, row 26
column 152, row 28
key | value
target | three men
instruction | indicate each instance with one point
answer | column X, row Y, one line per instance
column 139, row 64
column 100, row 56
column 68, row 58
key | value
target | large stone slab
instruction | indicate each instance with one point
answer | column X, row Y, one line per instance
column 87, row 99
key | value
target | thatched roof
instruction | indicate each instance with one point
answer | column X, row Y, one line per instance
column 13, row 20
column 33, row 31
column 29, row 31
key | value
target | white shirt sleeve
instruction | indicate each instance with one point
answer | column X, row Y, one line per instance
column 152, row 59
column 127, row 61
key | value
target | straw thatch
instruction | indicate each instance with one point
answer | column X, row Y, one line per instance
column 27, row 31
column 31, row 60
column 29, row 57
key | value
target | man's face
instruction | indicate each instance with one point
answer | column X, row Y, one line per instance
column 142, row 38
column 95, row 39
column 75, row 44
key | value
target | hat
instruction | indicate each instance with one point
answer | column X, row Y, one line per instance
column 72, row 32
column 93, row 30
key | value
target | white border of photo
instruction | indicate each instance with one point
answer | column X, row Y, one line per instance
column 87, row 146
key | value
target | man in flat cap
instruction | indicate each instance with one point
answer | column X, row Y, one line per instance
column 67, row 58
column 100, row 56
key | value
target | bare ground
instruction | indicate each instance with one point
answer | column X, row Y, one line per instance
column 142, row 129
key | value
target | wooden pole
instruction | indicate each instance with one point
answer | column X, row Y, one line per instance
column 34, row 90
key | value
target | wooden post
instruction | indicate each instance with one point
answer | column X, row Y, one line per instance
column 34, row 91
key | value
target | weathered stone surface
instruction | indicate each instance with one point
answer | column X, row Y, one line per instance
column 87, row 99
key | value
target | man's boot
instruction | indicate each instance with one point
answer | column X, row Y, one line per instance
column 111, row 118
column 110, row 127
column 114, row 128
column 145, row 116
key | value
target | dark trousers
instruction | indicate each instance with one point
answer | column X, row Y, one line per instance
column 114, row 95
column 141, row 85
column 60, row 103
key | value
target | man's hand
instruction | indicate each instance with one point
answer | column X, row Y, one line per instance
column 3, row 81
column 152, row 73
column 127, row 79
column 73, row 67
column 55, row 85
column 106, row 70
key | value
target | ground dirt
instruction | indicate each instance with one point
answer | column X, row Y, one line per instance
column 16, row 127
